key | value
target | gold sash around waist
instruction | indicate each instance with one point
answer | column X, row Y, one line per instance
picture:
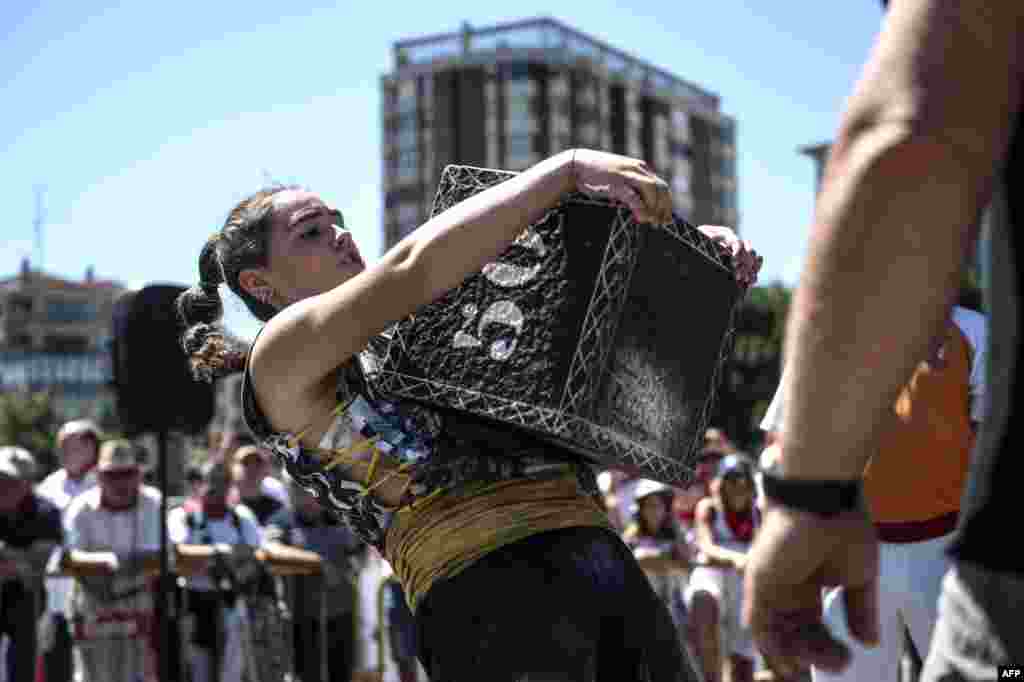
column 448, row 534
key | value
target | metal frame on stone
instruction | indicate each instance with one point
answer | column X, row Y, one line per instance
column 596, row 339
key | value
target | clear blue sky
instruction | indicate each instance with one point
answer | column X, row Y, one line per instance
column 146, row 121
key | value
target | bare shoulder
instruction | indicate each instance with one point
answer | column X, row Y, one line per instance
column 287, row 404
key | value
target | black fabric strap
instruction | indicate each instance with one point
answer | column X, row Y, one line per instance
column 825, row 498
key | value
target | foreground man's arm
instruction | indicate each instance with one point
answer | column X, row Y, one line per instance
column 919, row 148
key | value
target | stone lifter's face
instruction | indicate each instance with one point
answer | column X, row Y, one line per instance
column 311, row 251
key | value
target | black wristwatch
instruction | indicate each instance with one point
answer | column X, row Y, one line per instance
column 825, row 498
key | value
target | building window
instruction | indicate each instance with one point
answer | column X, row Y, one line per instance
column 406, row 96
column 520, row 123
column 518, row 116
column 516, row 71
column 65, row 344
column 680, row 149
column 64, row 310
column 519, row 151
column 20, row 341
column 408, row 165
column 408, row 212
column 405, row 133
column 20, row 305
column 681, row 185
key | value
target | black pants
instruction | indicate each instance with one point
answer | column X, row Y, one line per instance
column 18, row 613
column 206, row 606
column 340, row 648
column 568, row 605
column 57, row 661
column 401, row 626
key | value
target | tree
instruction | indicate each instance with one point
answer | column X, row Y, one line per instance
column 751, row 373
column 28, row 419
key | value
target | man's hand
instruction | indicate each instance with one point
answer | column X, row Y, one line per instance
column 745, row 259
column 795, row 556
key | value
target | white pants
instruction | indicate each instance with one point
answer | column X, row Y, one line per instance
column 726, row 586
column 909, row 583
column 232, row 658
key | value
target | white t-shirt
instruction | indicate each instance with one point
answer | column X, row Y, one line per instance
column 222, row 530
column 276, row 489
column 60, row 489
column 89, row 526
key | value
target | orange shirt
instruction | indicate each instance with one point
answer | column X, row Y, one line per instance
column 920, row 468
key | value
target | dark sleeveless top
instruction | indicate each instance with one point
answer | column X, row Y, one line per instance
column 443, row 449
column 991, row 503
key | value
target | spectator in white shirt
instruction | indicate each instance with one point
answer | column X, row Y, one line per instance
column 117, row 523
column 235, row 444
column 78, row 443
column 212, row 605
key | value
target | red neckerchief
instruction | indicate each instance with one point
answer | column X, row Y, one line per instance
column 741, row 524
column 106, row 506
column 686, row 517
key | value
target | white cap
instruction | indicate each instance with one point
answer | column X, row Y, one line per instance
column 648, row 487
column 76, row 427
column 17, row 463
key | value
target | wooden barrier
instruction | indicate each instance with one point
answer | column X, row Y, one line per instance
column 190, row 560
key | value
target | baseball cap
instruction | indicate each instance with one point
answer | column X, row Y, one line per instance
column 647, row 487
column 17, row 463
column 734, row 464
column 118, row 455
column 77, row 427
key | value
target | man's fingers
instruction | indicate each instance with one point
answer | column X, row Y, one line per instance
column 799, row 641
column 815, row 646
column 862, row 612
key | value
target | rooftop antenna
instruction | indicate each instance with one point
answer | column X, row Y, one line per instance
column 38, row 222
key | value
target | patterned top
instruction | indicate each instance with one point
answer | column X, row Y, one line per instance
column 439, row 450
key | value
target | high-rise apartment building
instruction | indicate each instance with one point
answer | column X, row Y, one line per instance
column 510, row 95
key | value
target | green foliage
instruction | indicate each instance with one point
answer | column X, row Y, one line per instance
column 29, row 420
column 752, row 371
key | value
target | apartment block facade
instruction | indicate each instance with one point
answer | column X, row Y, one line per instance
column 508, row 96
column 55, row 335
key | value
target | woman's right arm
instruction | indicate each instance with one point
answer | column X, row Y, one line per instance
column 304, row 344
column 717, row 555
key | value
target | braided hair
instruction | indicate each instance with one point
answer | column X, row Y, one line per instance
column 242, row 243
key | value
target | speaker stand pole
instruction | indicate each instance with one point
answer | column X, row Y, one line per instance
column 164, row 592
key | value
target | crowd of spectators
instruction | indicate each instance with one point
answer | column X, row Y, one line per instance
column 80, row 557
column 97, row 515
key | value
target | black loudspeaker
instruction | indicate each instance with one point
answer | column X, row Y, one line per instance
column 602, row 335
column 155, row 389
